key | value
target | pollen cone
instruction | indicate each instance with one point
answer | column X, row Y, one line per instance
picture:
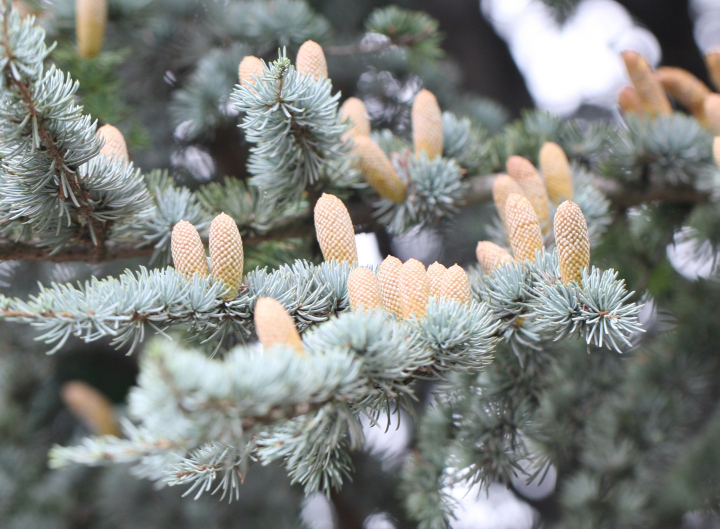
column 650, row 91
column 364, row 289
column 274, row 326
column 226, row 253
column 91, row 406
column 435, row 273
column 311, row 59
column 686, row 89
column 378, row 170
column 456, row 285
column 490, row 255
column 389, row 276
column 90, row 21
column 555, row 169
column 414, row 289
column 629, row 101
column 249, row 66
column 572, row 241
column 187, row 250
column 353, row 109
column 115, row 146
column 334, row 229
column 427, row 125
column 503, row 187
column 523, row 228
column 532, row 187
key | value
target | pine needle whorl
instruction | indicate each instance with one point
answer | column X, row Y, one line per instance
column 364, row 290
column 686, row 89
column 249, row 66
column 504, row 186
column 114, row 146
column 414, row 289
column 353, row 110
column 91, row 406
column 650, row 91
column 532, row 186
column 712, row 112
column 572, row 241
column 523, row 228
column 389, row 277
column 226, row 254
column 555, row 168
column 187, row 250
column 311, row 60
column 90, row 22
column 274, row 326
column 629, row 101
column 490, row 255
column 334, row 229
column 712, row 61
column 427, row 127
column 435, row 273
column 456, row 285
column 378, row 170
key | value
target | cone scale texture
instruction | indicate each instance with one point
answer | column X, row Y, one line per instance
column 555, row 168
column 533, row 187
column 90, row 22
column 249, row 66
column 650, row 91
column 364, row 290
column 274, row 326
column 389, row 277
column 226, row 254
column 187, row 249
column 523, row 228
column 311, row 60
column 490, row 255
column 686, row 89
column 334, row 230
column 572, row 241
column 456, row 285
column 353, row 109
column 378, row 170
column 427, row 128
column 114, row 146
column 435, row 273
column 504, row 186
column 414, row 289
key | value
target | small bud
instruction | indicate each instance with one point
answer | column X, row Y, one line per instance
column 90, row 21
column 414, row 289
column 389, row 276
column 716, row 150
column 274, row 326
column 364, row 290
column 353, row 110
column 456, row 285
column 91, row 406
column 712, row 112
column 712, row 61
column 686, row 89
column 114, row 146
column 523, row 228
column 555, row 169
column 334, row 229
column 249, row 66
column 427, row 128
column 629, row 101
column 650, row 91
column 532, row 187
column 435, row 273
column 572, row 241
column 378, row 170
column 187, row 250
column 490, row 255
column 503, row 187
column 226, row 254
column 311, row 60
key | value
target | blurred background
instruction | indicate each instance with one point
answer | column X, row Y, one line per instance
column 164, row 79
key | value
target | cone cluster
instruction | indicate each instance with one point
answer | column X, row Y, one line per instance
column 523, row 228
column 274, row 326
column 364, row 290
column 455, row 284
column 311, row 60
column 114, row 146
column 226, row 253
column 389, row 277
column 555, row 168
column 427, row 127
column 187, row 249
column 572, row 241
column 378, row 170
column 490, row 256
column 90, row 22
column 334, row 230
column 249, row 66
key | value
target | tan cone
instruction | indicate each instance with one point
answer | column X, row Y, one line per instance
column 114, row 146
column 274, row 326
column 249, row 66
column 532, row 186
column 504, row 186
column 572, row 241
column 378, row 170
column 490, row 256
column 555, row 168
column 523, row 228
column 629, row 101
column 226, row 254
column 353, row 110
column 427, row 128
column 414, row 289
column 716, row 150
column 334, row 230
column 712, row 112
column 187, row 249
column 650, row 91
column 389, row 277
column 364, row 290
column 311, row 59
column 456, row 285
column 435, row 273
column 90, row 22
column 686, row 89
column 712, row 61
column 91, row 406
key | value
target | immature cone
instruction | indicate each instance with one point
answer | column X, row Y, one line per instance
column 90, row 22
column 504, row 186
column 650, row 91
column 115, row 145
column 555, row 169
column 532, row 187
column 311, row 59
column 686, row 89
column 629, row 101
column 187, row 250
column 249, row 66
column 490, row 256
column 389, row 277
column 274, row 326
column 716, row 150
column 91, row 406
column 523, row 228
column 427, row 128
column 572, row 241
column 712, row 111
column 353, row 109
column 334, row 229
column 364, row 289
column 456, row 285
column 435, row 273
column 414, row 289
column 712, row 61
column 226, row 253
column 378, row 170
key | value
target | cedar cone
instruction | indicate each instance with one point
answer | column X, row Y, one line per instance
column 226, row 254
column 91, row 406
column 364, row 289
column 334, row 229
column 686, row 89
column 187, row 250
column 311, row 60
column 389, row 276
column 523, row 228
column 90, row 21
column 490, row 255
column 533, row 187
column 456, row 285
column 427, row 128
column 353, row 110
column 572, row 241
column 274, row 326
column 414, row 289
column 114, row 145
column 555, row 169
column 249, row 66
column 378, row 170
column 650, row 91
column 629, row 101
column 435, row 273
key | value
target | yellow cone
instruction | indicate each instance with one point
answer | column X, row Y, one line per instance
column 572, row 241
column 389, row 276
column 435, row 273
column 712, row 112
column 249, row 66
column 274, row 326
column 311, row 59
column 378, row 170
column 91, row 406
column 114, row 146
column 532, row 187
column 226, row 253
column 712, row 61
column 427, row 125
column 364, row 289
column 490, row 255
column 90, row 21
column 555, row 169
column 629, row 101
column 651, row 93
column 353, row 110
column 334, row 230
column 523, row 228
column 686, row 89
column 187, row 250
column 456, row 285
column 414, row 289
